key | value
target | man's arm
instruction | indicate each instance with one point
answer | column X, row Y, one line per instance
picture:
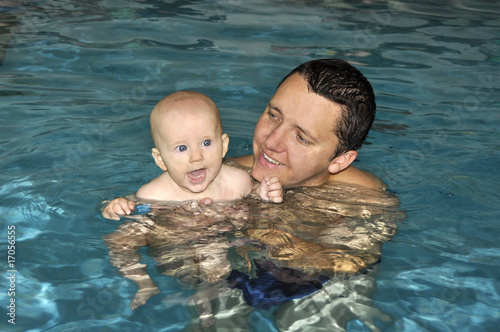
column 310, row 257
column 245, row 161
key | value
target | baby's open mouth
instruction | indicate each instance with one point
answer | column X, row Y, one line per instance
column 197, row 176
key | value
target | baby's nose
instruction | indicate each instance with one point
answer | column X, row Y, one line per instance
column 196, row 156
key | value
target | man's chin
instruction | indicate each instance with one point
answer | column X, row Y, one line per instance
column 258, row 173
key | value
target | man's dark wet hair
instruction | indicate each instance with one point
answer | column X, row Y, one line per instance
column 338, row 81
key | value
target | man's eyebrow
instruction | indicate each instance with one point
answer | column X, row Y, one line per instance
column 308, row 134
column 275, row 108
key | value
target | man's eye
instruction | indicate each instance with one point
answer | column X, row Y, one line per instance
column 206, row 142
column 272, row 115
column 302, row 140
column 181, row 148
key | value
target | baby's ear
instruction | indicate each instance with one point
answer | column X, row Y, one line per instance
column 158, row 159
column 225, row 144
column 342, row 162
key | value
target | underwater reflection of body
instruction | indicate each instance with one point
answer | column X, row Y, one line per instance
column 309, row 261
column 185, row 245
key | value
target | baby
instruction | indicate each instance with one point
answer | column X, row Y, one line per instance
column 189, row 147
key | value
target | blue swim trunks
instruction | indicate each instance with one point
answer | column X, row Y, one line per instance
column 274, row 285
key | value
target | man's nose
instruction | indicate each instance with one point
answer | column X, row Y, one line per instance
column 275, row 141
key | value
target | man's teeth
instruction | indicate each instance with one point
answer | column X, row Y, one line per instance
column 266, row 157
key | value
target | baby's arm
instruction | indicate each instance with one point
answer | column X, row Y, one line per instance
column 123, row 245
column 120, row 206
column 270, row 189
column 123, row 206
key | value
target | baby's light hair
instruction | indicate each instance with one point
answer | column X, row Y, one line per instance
column 173, row 101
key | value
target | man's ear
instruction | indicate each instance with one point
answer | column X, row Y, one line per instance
column 342, row 162
column 225, row 144
column 158, row 159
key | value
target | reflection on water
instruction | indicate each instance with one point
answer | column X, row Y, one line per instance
column 268, row 254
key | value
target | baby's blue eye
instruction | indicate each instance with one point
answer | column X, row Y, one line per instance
column 181, row 148
column 206, row 142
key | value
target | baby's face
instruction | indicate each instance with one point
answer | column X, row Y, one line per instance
column 192, row 147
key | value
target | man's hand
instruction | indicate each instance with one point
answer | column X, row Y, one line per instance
column 118, row 207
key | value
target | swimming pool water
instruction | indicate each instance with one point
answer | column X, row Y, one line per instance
column 77, row 83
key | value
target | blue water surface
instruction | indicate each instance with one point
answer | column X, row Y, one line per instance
column 79, row 78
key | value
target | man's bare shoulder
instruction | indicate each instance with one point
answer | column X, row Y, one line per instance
column 245, row 161
column 356, row 176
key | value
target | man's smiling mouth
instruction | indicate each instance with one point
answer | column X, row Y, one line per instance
column 272, row 161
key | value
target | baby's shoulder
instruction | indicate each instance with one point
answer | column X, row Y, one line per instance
column 235, row 172
column 236, row 178
column 156, row 189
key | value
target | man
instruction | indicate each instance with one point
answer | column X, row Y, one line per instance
column 311, row 129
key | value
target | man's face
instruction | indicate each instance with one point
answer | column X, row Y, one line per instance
column 192, row 148
column 294, row 138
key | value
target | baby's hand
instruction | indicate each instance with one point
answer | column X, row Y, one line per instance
column 271, row 189
column 118, row 207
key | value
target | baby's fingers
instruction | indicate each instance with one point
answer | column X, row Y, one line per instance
column 274, row 186
column 272, row 180
column 130, row 206
column 276, row 195
column 276, row 199
column 108, row 213
column 123, row 206
column 274, row 183
column 118, row 207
